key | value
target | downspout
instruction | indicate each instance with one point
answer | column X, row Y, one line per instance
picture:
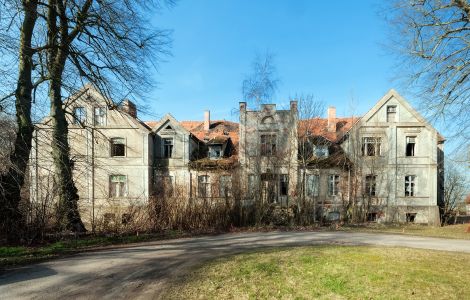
column 93, row 179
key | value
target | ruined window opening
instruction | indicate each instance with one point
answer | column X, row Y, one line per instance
column 117, row 186
column 126, row 218
column 225, row 186
column 410, row 145
column 164, row 186
column 370, row 186
column 321, row 150
column 410, row 185
column 333, row 185
column 203, row 186
column 169, row 127
column 410, row 217
column 79, row 115
column 99, row 116
column 391, row 113
column 215, row 151
column 269, row 187
column 371, row 146
column 313, row 184
column 268, row 144
column 118, row 147
column 283, row 184
column 167, row 147
column 372, row 217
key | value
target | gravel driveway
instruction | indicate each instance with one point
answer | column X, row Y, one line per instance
column 141, row 272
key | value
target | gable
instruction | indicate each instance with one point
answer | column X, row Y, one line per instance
column 169, row 125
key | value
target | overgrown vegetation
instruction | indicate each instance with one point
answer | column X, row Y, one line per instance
column 330, row 272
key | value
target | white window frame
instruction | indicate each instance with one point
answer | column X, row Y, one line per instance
column 370, row 185
column 164, row 146
column 410, row 186
column 333, row 184
column 375, row 141
column 79, row 120
column 395, row 112
column 99, row 119
column 118, row 192
column 408, row 140
column 112, row 143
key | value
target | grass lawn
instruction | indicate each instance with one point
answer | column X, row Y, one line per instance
column 450, row 231
column 330, row 272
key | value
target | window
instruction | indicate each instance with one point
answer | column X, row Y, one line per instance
column 268, row 144
column 372, row 217
column 371, row 146
column 410, row 145
column 410, row 217
column 203, row 186
column 117, row 186
column 118, row 147
column 269, row 190
column 321, row 150
column 215, row 151
column 410, row 185
column 370, row 185
column 312, row 185
column 167, row 147
column 164, row 186
column 79, row 115
column 99, row 116
column 251, row 185
column 391, row 113
column 333, row 185
column 283, row 184
column 225, row 184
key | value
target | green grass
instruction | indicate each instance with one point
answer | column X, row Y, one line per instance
column 16, row 255
column 450, row 231
column 330, row 272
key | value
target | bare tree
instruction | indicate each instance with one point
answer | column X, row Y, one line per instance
column 261, row 84
column 455, row 190
column 433, row 40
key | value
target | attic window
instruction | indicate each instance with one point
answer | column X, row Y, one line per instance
column 169, row 127
column 391, row 113
column 321, row 151
column 410, row 145
column 215, row 151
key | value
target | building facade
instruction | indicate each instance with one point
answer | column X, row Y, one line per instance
column 389, row 162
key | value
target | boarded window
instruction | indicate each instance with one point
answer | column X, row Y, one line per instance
column 410, row 188
column 313, row 185
column 99, row 117
column 333, row 185
column 79, row 115
column 203, row 186
column 118, row 147
column 371, row 146
column 117, row 186
column 391, row 113
column 268, row 144
column 370, row 186
column 167, row 147
column 410, row 145
column 225, row 186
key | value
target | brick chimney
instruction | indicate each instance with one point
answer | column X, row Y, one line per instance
column 129, row 107
column 331, row 119
column 207, row 120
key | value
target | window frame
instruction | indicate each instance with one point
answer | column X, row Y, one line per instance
column 225, row 186
column 283, row 185
column 370, row 185
column 203, row 183
column 79, row 120
column 408, row 139
column 122, row 192
column 410, row 185
column 390, row 113
column 164, row 147
column 375, row 142
column 312, row 186
column 268, row 144
column 102, row 116
column 112, row 143
column 333, row 184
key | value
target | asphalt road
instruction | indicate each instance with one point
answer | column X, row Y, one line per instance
column 143, row 271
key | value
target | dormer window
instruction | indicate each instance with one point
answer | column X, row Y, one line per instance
column 79, row 115
column 215, row 151
column 321, row 151
column 391, row 113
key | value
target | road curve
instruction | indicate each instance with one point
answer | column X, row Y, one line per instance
column 141, row 272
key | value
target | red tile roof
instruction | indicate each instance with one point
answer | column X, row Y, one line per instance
column 319, row 127
column 217, row 129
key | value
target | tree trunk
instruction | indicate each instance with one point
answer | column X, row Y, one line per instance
column 12, row 182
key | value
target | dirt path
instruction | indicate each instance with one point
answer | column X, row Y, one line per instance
column 141, row 272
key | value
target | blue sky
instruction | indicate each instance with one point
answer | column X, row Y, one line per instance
column 331, row 49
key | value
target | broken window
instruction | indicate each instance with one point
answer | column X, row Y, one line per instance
column 268, row 144
column 167, row 147
column 99, row 116
column 410, row 217
column 321, row 150
column 203, row 186
column 215, row 151
column 333, row 185
column 118, row 147
column 283, row 184
column 117, row 186
column 225, row 185
column 391, row 113
column 269, row 185
column 410, row 145
column 370, row 185
column 410, row 185
column 313, row 184
column 79, row 115
column 371, row 146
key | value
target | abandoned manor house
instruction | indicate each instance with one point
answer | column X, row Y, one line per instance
column 389, row 161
